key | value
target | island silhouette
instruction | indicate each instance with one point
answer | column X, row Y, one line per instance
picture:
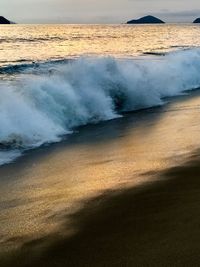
column 146, row 20
column 143, row 20
column 4, row 20
column 196, row 20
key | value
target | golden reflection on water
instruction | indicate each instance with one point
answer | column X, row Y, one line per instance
column 41, row 190
column 44, row 42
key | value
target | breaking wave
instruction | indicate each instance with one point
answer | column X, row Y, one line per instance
column 41, row 107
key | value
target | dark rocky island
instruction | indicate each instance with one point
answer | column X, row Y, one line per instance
column 196, row 20
column 4, row 20
column 146, row 20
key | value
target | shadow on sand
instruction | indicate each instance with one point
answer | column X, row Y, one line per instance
column 153, row 225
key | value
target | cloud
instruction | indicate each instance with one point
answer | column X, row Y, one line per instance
column 179, row 16
column 93, row 11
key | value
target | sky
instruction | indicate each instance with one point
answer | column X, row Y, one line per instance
column 93, row 11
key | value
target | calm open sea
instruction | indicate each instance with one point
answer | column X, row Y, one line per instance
column 26, row 43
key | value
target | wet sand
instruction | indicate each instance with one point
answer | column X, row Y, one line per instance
column 132, row 200
column 153, row 225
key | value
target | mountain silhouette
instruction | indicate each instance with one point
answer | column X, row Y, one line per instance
column 196, row 20
column 146, row 20
column 4, row 20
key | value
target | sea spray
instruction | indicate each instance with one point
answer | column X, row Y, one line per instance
column 41, row 106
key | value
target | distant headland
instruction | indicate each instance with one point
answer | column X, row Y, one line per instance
column 146, row 20
column 143, row 20
column 196, row 20
column 4, row 20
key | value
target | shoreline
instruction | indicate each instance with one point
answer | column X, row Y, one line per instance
column 76, row 135
column 146, row 214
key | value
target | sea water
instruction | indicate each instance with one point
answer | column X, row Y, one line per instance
column 54, row 78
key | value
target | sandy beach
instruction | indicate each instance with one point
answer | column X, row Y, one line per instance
column 134, row 200
column 152, row 225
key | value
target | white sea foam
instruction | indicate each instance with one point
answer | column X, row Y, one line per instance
column 38, row 109
column 8, row 156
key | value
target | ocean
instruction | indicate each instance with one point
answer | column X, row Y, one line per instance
column 55, row 78
column 94, row 115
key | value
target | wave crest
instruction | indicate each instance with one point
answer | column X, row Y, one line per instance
column 38, row 109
